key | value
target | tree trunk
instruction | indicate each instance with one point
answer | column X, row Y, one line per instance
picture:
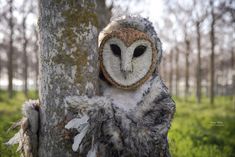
column 187, row 42
column 233, row 67
column 177, row 72
column 10, row 52
column 68, row 65
column 37, row 60
column 232, row 57
column 36, row 64
column 25, row 59
column 162, row 70
column 171, row 72
column 0, row 69
column 212, row 56
column 233, row 90
column 198, row 74
column 104, row 13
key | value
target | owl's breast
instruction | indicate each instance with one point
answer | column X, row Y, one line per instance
column 126, row 100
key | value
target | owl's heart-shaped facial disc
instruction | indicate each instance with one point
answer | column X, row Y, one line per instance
column 127, row 58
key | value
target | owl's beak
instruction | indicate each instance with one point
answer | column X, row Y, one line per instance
column 126, row 64
column 126, row 70
column 125, row 74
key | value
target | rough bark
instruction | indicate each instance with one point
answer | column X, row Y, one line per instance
column 68, row 66
column 198, row 74
column 10, row 52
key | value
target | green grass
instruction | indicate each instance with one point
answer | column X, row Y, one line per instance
column 198, row 130
column 203, row 130
column 10, row 112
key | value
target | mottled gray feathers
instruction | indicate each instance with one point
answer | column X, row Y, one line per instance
column 27, row 136
column 138, row 133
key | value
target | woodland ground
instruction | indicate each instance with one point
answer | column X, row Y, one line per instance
column 198, row 130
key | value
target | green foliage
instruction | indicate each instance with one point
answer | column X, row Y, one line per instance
column 10, row 112
column 198, row 130
column 203, row 130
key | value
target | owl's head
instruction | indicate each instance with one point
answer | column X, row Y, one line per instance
column 129, row 51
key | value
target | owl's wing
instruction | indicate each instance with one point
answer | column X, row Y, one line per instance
column 150, row 122
column 160, row 113
column 95, row 123
column 157, row 109
column 27, row 137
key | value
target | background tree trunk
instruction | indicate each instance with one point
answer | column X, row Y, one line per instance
column 198, row 74
column 10, row 52
column 232, row 58
column 104, row 13
column 171, row 72
column 162, row 70
column 187, row 42
column 25, row 56
column 0, row 69
column 212, row 56
column 177, row 72
column 36, row 53
column 68, row 65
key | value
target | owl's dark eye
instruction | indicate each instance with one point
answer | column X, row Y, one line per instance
column 116, row 50
column 139, row 50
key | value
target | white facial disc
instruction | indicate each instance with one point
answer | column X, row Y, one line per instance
column 126, row 69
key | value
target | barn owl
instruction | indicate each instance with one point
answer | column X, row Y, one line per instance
column 133, row 115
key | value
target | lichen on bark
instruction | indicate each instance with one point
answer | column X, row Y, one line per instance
column 79, row 60
column 68, row 49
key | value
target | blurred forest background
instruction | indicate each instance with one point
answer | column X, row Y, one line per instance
column 198, row 66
